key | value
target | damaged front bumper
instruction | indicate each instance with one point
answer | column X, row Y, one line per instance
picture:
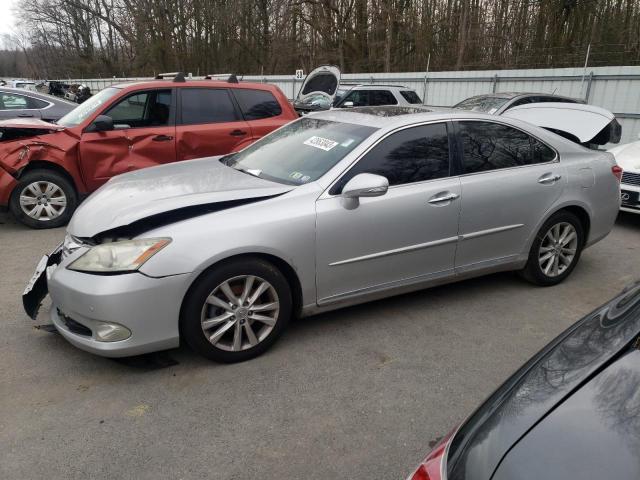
column 108, row 315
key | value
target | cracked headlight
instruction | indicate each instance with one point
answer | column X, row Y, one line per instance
column 122, row 256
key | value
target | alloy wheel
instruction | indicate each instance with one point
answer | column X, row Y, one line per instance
column 240, row 313
column 43, row 200
column 558, row 249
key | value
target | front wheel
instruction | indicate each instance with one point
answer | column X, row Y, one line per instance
column 236, row 311
column 555, row 250
column 43, row 199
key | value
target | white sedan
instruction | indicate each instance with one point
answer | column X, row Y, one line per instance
column 628, row 157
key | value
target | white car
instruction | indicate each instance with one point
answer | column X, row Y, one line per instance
column 628, row 157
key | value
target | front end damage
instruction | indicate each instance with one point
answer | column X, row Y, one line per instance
column 23, row 142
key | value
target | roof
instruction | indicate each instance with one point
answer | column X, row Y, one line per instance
column 35, row 94
column 510, row 95
column 385, row 85
column 394, row 116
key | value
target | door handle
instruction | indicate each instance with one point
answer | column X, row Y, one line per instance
column 25, row 114
column 444, row 198
column 162, row 138
column 549, row 179
column 238, row 133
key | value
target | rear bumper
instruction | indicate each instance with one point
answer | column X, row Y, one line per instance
column 7, row 184
column 148, row 307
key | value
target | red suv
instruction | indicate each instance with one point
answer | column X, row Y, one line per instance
column 45, row 169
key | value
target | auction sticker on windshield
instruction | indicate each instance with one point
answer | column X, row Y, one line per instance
column 321, row 143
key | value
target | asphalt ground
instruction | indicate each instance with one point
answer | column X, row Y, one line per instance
column 358, row 393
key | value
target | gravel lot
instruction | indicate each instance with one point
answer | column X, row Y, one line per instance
column 357, row 393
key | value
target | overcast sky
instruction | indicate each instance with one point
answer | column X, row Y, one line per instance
column 7, row 19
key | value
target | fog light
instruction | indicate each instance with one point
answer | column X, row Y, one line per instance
column 111, row 332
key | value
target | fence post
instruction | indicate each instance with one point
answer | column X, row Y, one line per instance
column 495, row 83
column 588, row 92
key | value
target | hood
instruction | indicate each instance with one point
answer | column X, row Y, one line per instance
column 588, row 124
column 543, row 384
column 176, row 187
column 597, row 430
column 18, row 128
column 628, row 156
column 323, row 81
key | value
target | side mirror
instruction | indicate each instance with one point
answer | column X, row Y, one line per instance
column 365, row 185
column 102, row 123
column 347, row 104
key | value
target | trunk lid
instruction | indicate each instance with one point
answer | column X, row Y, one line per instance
column 588, row 124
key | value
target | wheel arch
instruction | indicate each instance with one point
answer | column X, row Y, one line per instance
column 578, row 209
column 47, row 165
column 282, row 265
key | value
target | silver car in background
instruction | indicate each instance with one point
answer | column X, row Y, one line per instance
column 334, row 209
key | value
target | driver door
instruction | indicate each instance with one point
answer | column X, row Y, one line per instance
column 405, row 236
column 143, row 136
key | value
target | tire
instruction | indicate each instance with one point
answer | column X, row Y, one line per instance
column 57, row 196
column 550, row 262
column 207, row 308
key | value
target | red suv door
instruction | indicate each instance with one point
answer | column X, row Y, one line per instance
column 143, row 136
column 209, row 123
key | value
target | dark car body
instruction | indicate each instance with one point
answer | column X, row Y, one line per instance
column 147, row 123
column 571, row 412
column 498, row 103
column 21, row 103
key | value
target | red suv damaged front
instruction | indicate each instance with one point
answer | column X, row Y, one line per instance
column 46, row 169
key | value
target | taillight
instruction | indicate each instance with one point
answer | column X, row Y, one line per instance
column 431, row 467
column 617, row 172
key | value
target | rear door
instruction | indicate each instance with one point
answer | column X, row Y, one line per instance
column 209, row 123
column 261, row 110
column 510, row 181
column 143, row 136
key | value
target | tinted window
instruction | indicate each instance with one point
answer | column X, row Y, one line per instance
column 144, row 109
column 410, row 96
column 207, row 105
column 360, row 98
column 488, row 146
column 36, row 103
column 410, row 155
column 256, row 104
column 13, row 102
column 381, row 97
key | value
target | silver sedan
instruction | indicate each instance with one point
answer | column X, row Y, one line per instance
column 334, row 209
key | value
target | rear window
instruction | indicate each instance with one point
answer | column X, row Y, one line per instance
column 207, row 105
column 410, row 96
column 257, row 104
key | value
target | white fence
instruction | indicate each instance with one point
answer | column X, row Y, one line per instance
column 615, row 88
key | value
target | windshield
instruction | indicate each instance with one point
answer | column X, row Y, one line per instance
column 300, row 152
column 483, row 103
column 85, row 110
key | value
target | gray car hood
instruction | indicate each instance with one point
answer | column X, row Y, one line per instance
column 134, row 196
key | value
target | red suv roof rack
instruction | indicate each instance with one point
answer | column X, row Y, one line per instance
column 229, row 77
column 177, row 76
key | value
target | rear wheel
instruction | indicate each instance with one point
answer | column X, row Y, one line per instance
column 555, row 250
column 236, row 311
column 43, row 199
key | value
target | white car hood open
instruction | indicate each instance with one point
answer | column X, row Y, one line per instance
column 584, row 122
column 145, row 193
